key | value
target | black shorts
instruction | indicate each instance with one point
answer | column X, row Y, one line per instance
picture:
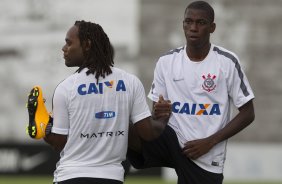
column 166, row 152
column 89, row 181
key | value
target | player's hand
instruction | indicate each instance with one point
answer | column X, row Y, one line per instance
column 162, row 109
column 49, row 126
column 196, row 148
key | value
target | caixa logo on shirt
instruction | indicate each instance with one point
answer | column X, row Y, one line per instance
column 105, row 114
column 196, row 109
column 93, row 88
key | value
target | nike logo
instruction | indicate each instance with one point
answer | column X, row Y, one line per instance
column 42, row 126
column 175, row 80
column 30, row 162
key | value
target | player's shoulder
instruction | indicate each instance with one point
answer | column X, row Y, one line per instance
column 131, row 81
column 66, row 84
column 171, row 57
column 69, row 80
column 225, row 54
column 122, row 74
column 173, row 52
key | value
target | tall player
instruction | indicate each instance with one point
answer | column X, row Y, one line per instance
column 202, row 80
column 92, row 109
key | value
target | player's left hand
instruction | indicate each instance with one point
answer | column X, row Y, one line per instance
column 196, row 148
column 49, row 126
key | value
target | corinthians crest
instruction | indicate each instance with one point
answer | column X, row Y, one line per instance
column 208, row 84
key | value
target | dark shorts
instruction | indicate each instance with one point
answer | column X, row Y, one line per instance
column 166, row 152
column 89, row 181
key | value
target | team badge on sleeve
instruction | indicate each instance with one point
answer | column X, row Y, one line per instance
column 209, row 84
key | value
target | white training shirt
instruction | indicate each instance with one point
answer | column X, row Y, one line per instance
column 96, row 118
column 201, row 94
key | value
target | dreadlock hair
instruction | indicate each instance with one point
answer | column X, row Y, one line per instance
column 100, row 57
column 202, row 5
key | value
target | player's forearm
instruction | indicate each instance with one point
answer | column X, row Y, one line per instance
column 57, row 142
column 157, row 127
column 160, row 116
column 134, row 141
column 149, row 129
column 243, row 119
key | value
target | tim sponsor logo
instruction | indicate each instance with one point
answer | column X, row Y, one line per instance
column 105, row 114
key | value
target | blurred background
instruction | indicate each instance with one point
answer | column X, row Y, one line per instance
column 32, row 33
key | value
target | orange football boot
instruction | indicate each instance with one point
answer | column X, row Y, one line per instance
column 38, row 114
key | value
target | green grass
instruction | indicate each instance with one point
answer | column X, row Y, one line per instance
column 26, row 180
column 129, row 180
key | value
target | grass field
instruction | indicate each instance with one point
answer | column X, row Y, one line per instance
column 129, row 180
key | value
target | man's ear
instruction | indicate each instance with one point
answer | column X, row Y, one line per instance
column 86, row 45
column 212, row 28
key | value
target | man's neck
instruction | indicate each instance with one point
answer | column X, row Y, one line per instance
column 197, row 53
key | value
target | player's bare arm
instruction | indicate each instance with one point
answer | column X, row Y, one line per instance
column 56, row 141
column 161, row 109
column 196, row 148
column 151, row 127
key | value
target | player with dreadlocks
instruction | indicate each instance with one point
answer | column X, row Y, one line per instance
column 93, row 108
column 99, row 58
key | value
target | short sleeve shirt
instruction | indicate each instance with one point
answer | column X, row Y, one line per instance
column 96, row 117
column 201, row 94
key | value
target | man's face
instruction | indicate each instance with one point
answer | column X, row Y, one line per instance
column 197, row 27
column 73, row 52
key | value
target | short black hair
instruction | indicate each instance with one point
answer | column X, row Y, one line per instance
column 202, row 5
column 100, row 57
